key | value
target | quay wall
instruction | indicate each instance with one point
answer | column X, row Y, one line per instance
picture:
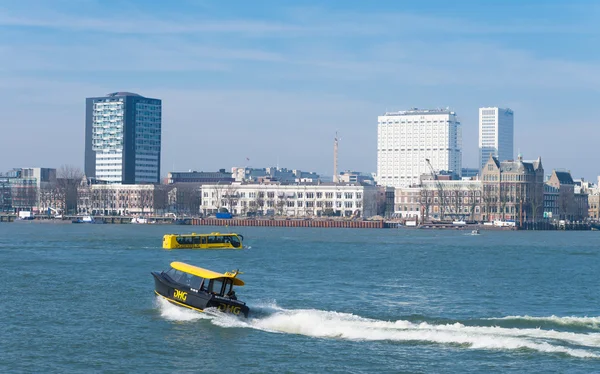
column 288, row 223
column 324, row 223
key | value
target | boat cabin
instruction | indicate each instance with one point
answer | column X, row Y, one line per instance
column 202, row 280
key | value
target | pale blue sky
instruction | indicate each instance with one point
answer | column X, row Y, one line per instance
column 274, row 80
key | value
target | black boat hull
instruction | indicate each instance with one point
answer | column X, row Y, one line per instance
column 183, row 295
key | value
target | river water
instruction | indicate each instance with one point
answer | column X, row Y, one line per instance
column 80, row 298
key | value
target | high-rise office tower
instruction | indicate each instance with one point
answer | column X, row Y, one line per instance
column 496, row 133
column 123, row 138
column 407, row 139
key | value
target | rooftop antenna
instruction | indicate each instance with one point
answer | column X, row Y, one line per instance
column 335, row 158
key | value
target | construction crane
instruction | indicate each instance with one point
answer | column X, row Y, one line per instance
column 440, row 188
column 57, row 213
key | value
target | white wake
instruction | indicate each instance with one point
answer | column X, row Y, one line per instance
column 334, row 325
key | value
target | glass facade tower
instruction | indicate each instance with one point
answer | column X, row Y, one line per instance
column 123, row 138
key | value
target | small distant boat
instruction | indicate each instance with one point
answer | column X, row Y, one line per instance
column 86, row 219
column 140, row 220
column 197, row 288
column 475, row 232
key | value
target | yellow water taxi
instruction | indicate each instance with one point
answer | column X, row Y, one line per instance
column 197, row 288
column 214, row 240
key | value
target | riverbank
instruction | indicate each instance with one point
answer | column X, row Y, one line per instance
column 306, row 222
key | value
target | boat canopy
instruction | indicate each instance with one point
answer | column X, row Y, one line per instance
column 204, row 273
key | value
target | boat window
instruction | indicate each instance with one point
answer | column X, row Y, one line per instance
column 203, row 239
column 213, row 239
column 195, row 282
column 235, row 241
column 228, row 286
column 184, row 239
column 186, row 279
column 216, row 286
column 196, row 239
column 175, row 274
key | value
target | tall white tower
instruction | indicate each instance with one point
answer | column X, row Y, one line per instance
column 496, row 133
column 335, row 159
column 406, row 139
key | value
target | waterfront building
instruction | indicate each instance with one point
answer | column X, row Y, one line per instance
column 456, row 200
column 594, row 206
column 389, row 196
column 593, row 192
column 29, row 186
column 123, row 138
column 571, row 206
column 513, row 190
column 283, row 175
column 5, row 195
column 200, row 177
column 292, row 200
column 407, row 203
column 496, row 134
column 407, row 139
column 122, row 199
column 551, row 195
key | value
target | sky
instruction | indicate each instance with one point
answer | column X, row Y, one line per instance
column 273, row 81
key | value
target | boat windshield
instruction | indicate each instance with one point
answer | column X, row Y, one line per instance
column 192, row 281
column 234, row 240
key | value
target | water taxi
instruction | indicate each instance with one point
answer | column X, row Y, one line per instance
column 197, row 288
column 214, row 240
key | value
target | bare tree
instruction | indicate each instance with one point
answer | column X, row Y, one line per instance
column 260, row 201
column 160, row 199
column 564, row 204
column 218, row 192
column 230, row 197
column 504, row 199
column 473, row 196
column 426, row 200
column 489, row 200
column 186, row 198
column 457, row 203
column 68, row 178
column 281, row 204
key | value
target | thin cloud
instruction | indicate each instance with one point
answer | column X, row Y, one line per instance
column 140, row 24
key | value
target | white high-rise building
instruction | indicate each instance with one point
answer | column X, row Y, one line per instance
column 123, row 138
column 407, row 139
column 496, row 132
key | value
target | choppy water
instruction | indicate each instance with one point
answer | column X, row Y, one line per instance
column 80, row 298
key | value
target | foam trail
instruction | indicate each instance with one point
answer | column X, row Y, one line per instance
column 334, row 325
column 591, row 322
column 175, row 313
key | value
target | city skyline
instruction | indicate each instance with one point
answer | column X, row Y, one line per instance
column 274, row 83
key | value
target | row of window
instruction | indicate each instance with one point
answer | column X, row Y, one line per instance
column 299, row 195
column 290, row 204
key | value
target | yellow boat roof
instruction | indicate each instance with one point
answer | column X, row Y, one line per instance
column 204, row 273
column 212, row 233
